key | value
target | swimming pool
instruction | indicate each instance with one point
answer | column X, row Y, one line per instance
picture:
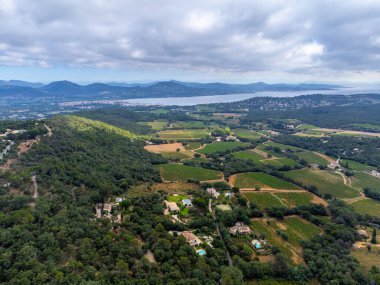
column 201, row 252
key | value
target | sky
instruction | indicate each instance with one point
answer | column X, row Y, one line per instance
column 237, row 41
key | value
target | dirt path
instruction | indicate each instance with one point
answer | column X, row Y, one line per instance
column 50, row 132
column 149, row 255
column 356, row 199
column 35, row 187
column 263, row 153
column 346, row 180
column 329, row 159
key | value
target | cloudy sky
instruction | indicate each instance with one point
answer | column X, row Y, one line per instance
column 200, row 40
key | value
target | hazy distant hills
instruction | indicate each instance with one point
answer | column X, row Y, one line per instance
column 66, row 90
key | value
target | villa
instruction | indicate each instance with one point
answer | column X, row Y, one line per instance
column 172, row 206
column 240, row 228
column 213, row 192
column 192, row 239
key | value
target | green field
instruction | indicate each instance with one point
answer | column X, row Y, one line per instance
column 302, row 228
column 292, row 199
column 325, row 181
column 280, row 162
column 367, row 206
column 246, row 134
column 177, row 198
column 353, row 165
column 189, row 125
column 221, row 147
column 262, row 180
column 175, row 155
column 180, row 172
column 363, row 180
column 263, row 199
column 182, row 135
column 157, row 125
column 312, row 158
column 193, row 145
column 250, row 155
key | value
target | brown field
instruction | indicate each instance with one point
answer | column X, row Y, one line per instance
column 169, row 147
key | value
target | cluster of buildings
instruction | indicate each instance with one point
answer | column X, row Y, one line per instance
column 240, row 228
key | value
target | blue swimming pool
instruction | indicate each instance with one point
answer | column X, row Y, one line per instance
column 201, row 252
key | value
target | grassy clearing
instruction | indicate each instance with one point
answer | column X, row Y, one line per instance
column 353, row 165
column 367, row 259
column 280, row 162
column 180, row 172
column 263, row 199
column 250, row 155
column 221, row 147
column 262, row 180
column 367, row 206
column 325, row 181
column 247, row 134
column 177, row 198
column 292, row 199
column 312, row 158
column 363, row 180
column 193, row 145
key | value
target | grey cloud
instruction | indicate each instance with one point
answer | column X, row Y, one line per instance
column 234, row 36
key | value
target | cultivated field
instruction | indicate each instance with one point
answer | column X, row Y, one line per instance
column 363, row 180
column 247, row 134
column 221, row 147
column 294, row 199
column 193, row 145
column 279, row 162
column 180, row 172
column 312, row 158
column 274, row 239
column 189, row 125
column 250, row 155
column 367, row 206
column 157, row 125
column 176, row 155
column 182, row 135
column 367, row 259
column 353, row 165
column 325, row 181
column 263, row 199
column 259, row 179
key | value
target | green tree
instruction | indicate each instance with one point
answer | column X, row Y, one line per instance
column 373, row 239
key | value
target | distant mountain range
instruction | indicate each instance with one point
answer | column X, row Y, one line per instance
column 66, row 90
